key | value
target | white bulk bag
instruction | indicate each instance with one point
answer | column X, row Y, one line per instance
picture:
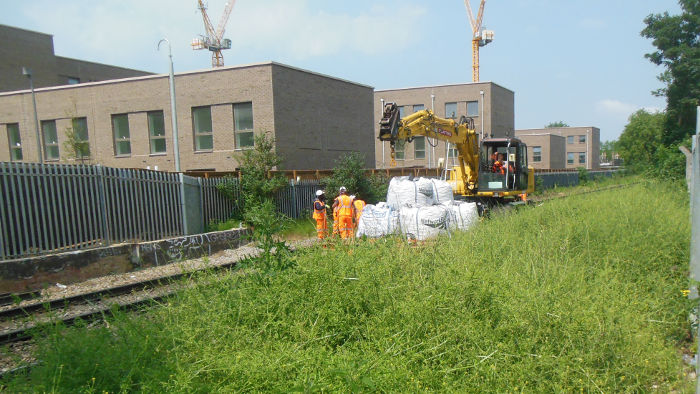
column 421, row 223
column 377, row 221
column 463, row 215
column 442, row 191
column 416, row 192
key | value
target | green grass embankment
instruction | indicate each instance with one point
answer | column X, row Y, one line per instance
column 582, row 293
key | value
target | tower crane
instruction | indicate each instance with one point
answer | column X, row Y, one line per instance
column 213, row 40
column 479, row 37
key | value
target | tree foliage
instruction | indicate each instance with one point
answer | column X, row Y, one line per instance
column 558, row 123
column 349, row 172
column 607, row 150
column 641, row 146
column 677, row 39
column 257, row 184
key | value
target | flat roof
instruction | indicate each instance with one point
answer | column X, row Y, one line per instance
column 193, row 72
column 27, row 30
column 557, row 128
column 445, row 86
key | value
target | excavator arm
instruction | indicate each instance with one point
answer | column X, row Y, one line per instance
column 424, row 123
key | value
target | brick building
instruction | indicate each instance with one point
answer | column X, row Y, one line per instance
column 574, row 146
column 490, row 105
column 24, row 48
column 127, row 122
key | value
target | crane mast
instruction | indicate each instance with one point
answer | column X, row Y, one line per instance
column 479, row 37
column 213, row 40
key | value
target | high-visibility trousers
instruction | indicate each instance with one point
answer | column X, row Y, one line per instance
column 336, row 229
column 321, row 228
column 345, row 227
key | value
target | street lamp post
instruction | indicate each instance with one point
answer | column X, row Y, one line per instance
column 173, row 109
column 481, row 92
column 28, row 73
column 381, row 114
column 432, row 145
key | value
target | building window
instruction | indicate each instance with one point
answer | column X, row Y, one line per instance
column 419, row 147
column 452, row 154
column 120, row 132
column 570, row 158
column 201, row 123
column 73, row 80
column 582, row 157
column 156, row 131
column 536, row 153
column 418, row 107
column 582, row 139
column 243, row 125
column 48, row 129
column 570, row 139
column 472, row 108
column 15, row 142
column 80, row 133
column 402, row 112
column 451, row 110
column 400, row 150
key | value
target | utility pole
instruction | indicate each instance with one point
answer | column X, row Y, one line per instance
column 173, row 109
column 381, row 114
column 695, row 236
column 28, row 73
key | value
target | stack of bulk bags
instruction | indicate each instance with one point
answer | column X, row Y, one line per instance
column 421, row 223
column 463, row 215
column 442, row 191
column 403, row 191
column 377, row 221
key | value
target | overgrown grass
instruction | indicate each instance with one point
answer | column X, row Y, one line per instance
column 299, row 228
column 582, row 293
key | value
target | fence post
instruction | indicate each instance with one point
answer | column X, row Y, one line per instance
column 183, row 205
column 695, row 235
column 294, row 200
column 103, row 204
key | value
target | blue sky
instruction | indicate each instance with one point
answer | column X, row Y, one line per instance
column 578, row 61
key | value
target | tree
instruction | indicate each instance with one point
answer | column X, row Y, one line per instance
column 641, row 138
column 349, row 172
column 258, row 185
column 607, row 150
column 676, row 38
column 558, row 123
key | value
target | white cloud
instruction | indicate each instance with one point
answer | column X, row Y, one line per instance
column 621, row 109
column 297, row 30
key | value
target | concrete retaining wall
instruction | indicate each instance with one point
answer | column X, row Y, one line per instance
column 37, row 272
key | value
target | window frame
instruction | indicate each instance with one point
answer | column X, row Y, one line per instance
column 46, row 144
column 416, row 151
column 152, row 137
column 454, row 116
column 569, row 139
column 238, row 132
column 569, row 157
column 400, row 150
column 117, row 142
column 477, row 109
column 582, row 139
column 536, row 155
column 74, row 123
column 418, row 107
column 199, row 134
column 581, row 155
column 14, row 145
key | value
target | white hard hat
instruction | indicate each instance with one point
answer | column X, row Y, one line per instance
column 319, row 192
column 352, row 197
column 343, row 189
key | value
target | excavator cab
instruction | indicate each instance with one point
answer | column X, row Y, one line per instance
column 503, row 167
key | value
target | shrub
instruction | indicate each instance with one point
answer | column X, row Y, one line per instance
column 349, row 172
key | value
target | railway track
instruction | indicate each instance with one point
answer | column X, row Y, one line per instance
column 93, row 305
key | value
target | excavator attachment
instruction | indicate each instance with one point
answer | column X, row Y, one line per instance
column 389, row 125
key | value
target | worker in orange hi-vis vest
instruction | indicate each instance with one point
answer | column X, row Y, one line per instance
column 345, row 213
column 320, row 214
column 359, row 205
column 336, row 230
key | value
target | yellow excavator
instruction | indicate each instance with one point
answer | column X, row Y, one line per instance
column 493, row 171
